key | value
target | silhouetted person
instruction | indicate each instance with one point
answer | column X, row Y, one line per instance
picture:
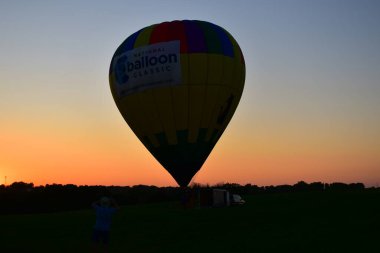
column 104, row 208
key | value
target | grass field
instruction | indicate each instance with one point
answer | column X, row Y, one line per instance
column 293, row 222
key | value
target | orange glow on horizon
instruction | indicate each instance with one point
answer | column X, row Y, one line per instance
column 46, row 159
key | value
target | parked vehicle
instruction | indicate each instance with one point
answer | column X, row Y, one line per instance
column 236, row 199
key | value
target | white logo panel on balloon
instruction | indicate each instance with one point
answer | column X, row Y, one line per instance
column 148, row 67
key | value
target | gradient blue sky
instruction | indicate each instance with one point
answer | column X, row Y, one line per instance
column 310, row 109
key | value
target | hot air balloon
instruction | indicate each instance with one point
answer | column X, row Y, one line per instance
column 177, row 85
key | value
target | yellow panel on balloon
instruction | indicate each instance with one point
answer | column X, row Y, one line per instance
column 148, row 102
column 149, row 117
column 163, row 98
column 220, row 110
column 237, row 78
column 196, row 97
column 144, row 36
column 126, row 106
column 184, row 69
column 215, row 69
column 142, row 119
column 209, row 103
column 228, row 72
column 198, row 69
column 181, row 106
column 232, row 102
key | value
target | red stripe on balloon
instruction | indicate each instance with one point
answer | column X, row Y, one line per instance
column 177, row 32
column 159, row 33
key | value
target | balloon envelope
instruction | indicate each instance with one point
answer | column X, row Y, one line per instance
column 177, row 85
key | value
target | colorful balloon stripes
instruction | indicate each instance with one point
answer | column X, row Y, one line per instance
column 178, row 114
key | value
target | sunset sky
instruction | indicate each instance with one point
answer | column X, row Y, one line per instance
column 310, row 109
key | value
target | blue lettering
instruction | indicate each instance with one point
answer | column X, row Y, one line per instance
column 153, row 61
column 130, row 66
column 145, row 62
column 172, row 58
column 163, row 59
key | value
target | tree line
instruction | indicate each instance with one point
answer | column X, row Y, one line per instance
column 21, row 197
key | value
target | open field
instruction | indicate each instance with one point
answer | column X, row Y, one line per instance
column 292, row 222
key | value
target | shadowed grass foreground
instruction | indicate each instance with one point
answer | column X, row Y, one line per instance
column 293, row 222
